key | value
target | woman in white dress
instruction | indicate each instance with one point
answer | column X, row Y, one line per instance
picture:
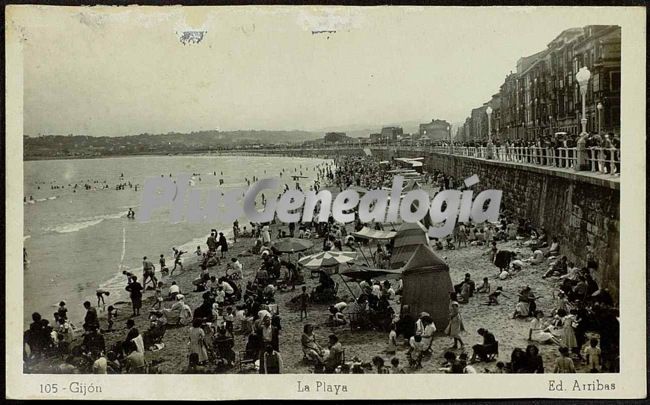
column 539, row 330
column 197, row 341
column 455, row 325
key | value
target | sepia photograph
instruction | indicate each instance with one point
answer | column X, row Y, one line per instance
column 317, row 191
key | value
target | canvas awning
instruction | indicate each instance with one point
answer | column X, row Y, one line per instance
column 365, row 273
column 367, row 233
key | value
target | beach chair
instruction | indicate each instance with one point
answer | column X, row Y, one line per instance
column 246, row 359
column 492, row 352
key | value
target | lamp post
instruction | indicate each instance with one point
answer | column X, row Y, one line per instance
column 582, row 77
column 599, row 107
column 490, row 146
column 449, row 134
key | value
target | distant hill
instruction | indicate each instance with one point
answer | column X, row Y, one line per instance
column 50, row 146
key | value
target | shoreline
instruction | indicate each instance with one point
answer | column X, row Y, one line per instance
column 511, row 333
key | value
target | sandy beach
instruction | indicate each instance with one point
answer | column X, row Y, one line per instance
column 510, row 333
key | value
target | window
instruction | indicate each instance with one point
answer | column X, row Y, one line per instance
column 596, row 82
column 615, row 81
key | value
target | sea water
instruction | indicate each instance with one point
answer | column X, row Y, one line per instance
column 78, row 241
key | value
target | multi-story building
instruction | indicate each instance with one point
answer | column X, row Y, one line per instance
column 436, row 130
column 336, row 137
column 376, row 138
column 391, row 133
column 543, row 97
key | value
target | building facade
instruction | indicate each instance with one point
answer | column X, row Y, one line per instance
column 436, row 130
column 543, row 97
column 391, row 133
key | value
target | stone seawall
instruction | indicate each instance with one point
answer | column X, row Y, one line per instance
column 575, row 208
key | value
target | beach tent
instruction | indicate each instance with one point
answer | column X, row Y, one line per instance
column 426, row 286
column 409, row 236
column 368, row 233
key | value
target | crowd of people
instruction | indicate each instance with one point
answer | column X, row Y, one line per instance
column 242, row 304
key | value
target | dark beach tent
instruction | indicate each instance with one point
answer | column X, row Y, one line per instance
column 409, row 236
column 426, row 286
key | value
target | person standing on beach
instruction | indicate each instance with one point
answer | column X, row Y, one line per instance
column 224, row 244
column 455, row 325
column 235, row 230
column 135, row 290
column 177, row 259
column 148, row 273
column 91, row 322
column 212, row 241
column 304, row 300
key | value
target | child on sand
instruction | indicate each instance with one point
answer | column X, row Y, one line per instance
column 395, row 368
column 392, row 340
column 592, row 355
column 485, row 287
column 158, row 297
column 61, row 314
column 493, row 297
column 110, row 316
column 229, row 321
column 564, row 364
column 163, row 266
column 304, row 300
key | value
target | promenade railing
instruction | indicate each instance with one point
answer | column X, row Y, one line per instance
column 596, row 159
column 601, row 160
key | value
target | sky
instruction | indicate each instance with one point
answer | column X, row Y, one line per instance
column 124, row 71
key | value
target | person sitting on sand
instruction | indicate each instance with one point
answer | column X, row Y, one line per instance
column 526, row 303
column 536, row 258
column 554, row 249
column 133, row 335
column 310, row 348
column 336, row 316
column 134, row 362
column 61, row 314
column 485, row 287
column 174, row 290
column 540, row 331
column 482, row 351
column 180, row 313
column 559, row 268
column 234, row 269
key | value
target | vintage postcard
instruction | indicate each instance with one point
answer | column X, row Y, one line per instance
column 369, row 202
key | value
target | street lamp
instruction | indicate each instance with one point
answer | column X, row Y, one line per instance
column 599, row 107
column 488, row 111
column 449, row 134
column 582, row 77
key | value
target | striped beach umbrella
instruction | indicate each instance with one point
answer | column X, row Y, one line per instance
column 291, row 245
column 327, row 259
